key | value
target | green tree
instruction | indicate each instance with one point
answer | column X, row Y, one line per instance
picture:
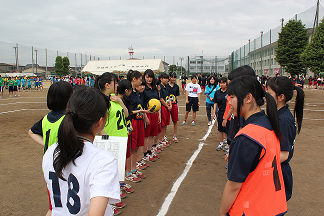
column 59, row 65
column 172, row 68
column 291, row 43
column 313, row 55
column 66, row 66
column 181, row 68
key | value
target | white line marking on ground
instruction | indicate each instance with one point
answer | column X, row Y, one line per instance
column 168, row 200
column 11, row 111
column 22, row 103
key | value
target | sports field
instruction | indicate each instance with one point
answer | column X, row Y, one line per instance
column 188, row 179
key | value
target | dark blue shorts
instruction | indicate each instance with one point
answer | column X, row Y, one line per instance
column 193, row 102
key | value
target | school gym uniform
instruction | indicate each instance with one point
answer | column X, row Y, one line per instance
column 154, row 127
column 210, row 91
column 254, row 161
column 15, row 85
column 221, row 99
column 193, row 91
column 136, row 137
column 48, row 127
column 93, row 174
column 165, row 113
column 184, row 81
column 1, row 84
column 11, row 85
column 310, row 81
column 174, row 92
column 288, row 130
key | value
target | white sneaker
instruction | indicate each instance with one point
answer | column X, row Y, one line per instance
column 219, row 147
column 193, row 123
column 184, row 122
column 209, row 123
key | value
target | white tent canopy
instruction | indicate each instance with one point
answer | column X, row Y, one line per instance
column 123, row 66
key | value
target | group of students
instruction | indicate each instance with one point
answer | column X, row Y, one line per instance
column 81, row 178
column 316, row 83
column 88, row 80
column 261, row 144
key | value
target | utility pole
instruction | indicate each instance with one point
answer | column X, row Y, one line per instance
column 46, row 63
column 270, row 55
column 81, row 65
column 181, row 58
column 249, row 52
column 75, row 69
column 16, row 57
column 281, row 20
column 261, row 51
column 33, row 59
column 36, row 61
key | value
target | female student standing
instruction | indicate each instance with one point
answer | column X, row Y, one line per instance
column 136, row 137
column 210, row 91
column 174, row 92
column 82, row 179
column 255, row 184
column 282, row 90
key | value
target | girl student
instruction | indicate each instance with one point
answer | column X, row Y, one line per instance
column 166, row 105
column 282, row 90
column 136, row 137
column 210, row 90
column 15, row 89
column 11, row 83
column 174, row 92
column 117, row 113
column 219, row 100
column 153, row 129
column 82, row 179
column 255, row 183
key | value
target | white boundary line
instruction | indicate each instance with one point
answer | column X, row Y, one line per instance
column 168, row 200
column 12, row 111
column 22, row 103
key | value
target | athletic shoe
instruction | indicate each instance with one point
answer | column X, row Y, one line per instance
column 193, row 123
column 119, row 205
column 163, row 144
column 149, row 158
column 175, row 139
column 122, row 195
column 133, row 178
column 209, row 123
column 166, row 141
column 127, row 188
column 141, row 165
column 116, row 210
column 226, row 148
column 220, row 147
column 226, row 166
column 184, row 122
column 155, row 151
column 140, row 175
column 154, row 156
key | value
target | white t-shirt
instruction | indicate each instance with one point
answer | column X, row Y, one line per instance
column 193, row 89
column 94, row 174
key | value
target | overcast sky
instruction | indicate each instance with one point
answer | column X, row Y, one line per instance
column 153, row 28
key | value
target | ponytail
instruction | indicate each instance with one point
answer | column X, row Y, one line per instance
column 85, row 108
column 272, row 113
column 299, row 107
column 133, row 74
column 101, row 80
column 283, row 85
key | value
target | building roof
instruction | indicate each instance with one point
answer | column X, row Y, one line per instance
column 123, row 66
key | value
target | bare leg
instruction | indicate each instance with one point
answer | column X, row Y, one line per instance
column 175, row 128
column 186, row 115
column 194, row 116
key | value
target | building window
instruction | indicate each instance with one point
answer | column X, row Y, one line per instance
column 192, row 68
column 192, row 62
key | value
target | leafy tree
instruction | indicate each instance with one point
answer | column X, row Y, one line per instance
column 180, row 68
column 172, row 68
column 291, row 44
column 66, row 66
column 313, row 55
column 59, row 65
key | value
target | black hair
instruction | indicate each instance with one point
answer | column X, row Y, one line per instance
column 122, row 86
column 85, row 108
column 58, row 95
column 244, row 85
column 101, row 80
column 144, row 82
column 241, row 71
column 133, row 74
column 283, row 85
column 172, row 74
column 164, row 76
column 223, row 79
column 209, row 84
column 150, row 73
column 158, row 81
column 193, row 76
column 79, row 87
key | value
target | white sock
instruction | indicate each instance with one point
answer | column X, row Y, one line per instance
column 221, row 143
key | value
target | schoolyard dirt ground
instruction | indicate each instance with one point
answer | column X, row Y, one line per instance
column 23, row 190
